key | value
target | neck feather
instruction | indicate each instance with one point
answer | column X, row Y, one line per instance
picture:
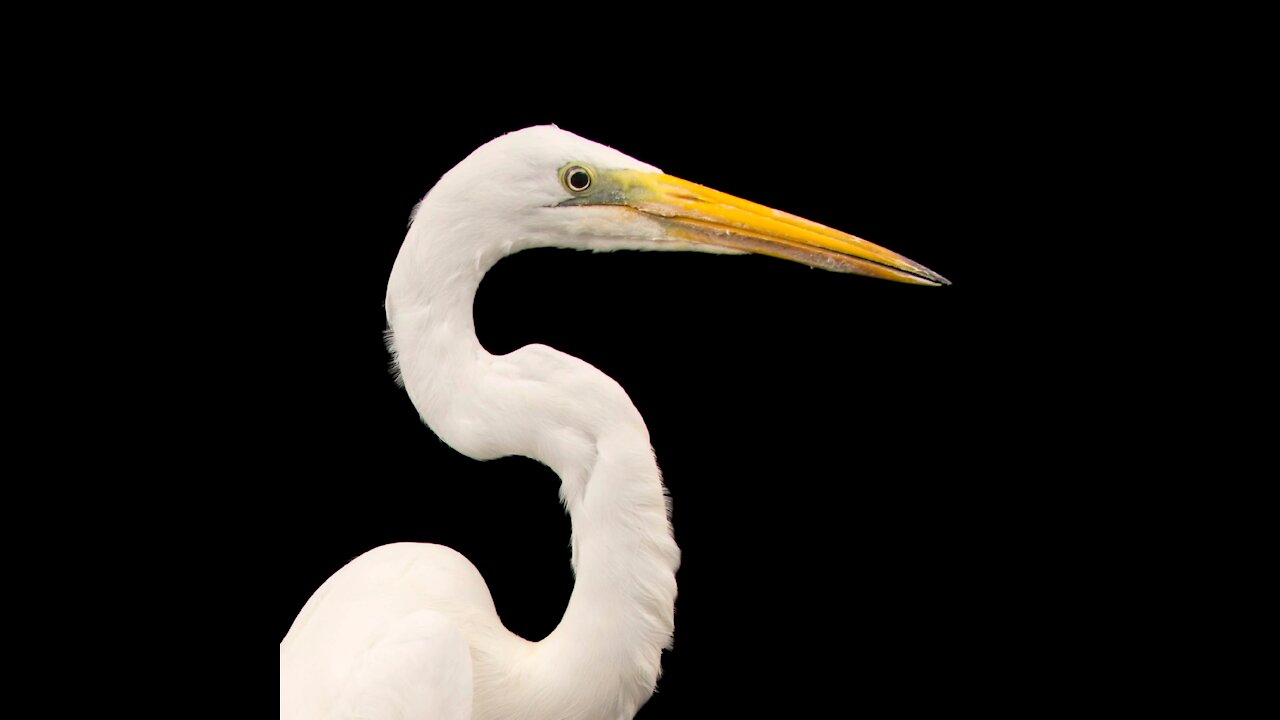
column 603, row 659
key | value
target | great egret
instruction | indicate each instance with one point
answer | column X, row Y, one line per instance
column 409, row 630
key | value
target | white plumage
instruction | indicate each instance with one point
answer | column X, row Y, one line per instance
column 410, row 630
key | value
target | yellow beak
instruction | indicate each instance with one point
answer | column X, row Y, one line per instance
column 699, row 214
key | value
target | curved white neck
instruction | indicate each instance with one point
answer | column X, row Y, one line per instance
column 603, row 659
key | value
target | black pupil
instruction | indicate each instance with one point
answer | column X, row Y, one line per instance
column 579, row 179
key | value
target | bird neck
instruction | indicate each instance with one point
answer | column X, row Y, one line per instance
column 603, row 659
column 622, row 611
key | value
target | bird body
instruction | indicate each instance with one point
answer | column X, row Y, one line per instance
column 410, row 630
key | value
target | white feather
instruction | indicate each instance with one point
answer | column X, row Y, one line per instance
column 410, row 631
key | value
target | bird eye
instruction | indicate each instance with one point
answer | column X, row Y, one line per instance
column 576, row 178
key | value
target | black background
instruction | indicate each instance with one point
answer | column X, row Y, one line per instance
column 857, row 467
column 991, row 496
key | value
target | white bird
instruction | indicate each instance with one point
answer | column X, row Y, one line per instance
column 409, row 630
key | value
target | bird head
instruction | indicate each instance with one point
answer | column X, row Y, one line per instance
column 545, row 187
